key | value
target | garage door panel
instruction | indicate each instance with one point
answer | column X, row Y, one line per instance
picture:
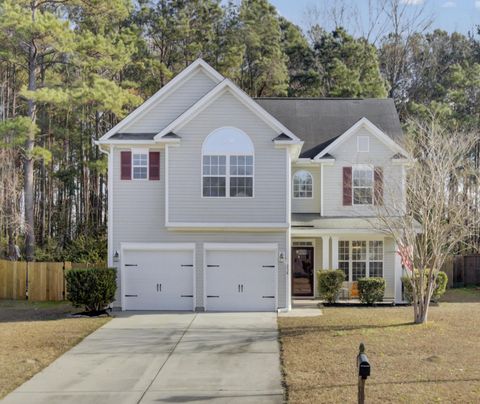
column 158, row 280
column 241, row 280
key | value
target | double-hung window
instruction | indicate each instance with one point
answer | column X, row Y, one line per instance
column 362, row 185
column 227, row 164
column 360, row 258
column 139, row 164
column 214, row 175
column 241, row 176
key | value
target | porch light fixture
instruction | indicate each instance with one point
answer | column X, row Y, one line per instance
column 281, row 257
column 116, row 256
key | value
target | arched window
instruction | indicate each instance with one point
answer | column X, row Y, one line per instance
column 227, row 164
column 302, row 185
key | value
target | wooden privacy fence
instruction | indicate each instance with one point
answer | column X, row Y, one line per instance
column 36, row 281
column 466, row 270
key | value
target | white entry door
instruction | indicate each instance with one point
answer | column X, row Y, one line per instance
column 240, row 280
column 158, row 279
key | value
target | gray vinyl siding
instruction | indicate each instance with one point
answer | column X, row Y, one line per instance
column 308, row 205
column 346, row 155
column 186, row 203
column 159, row 115
column 139, row 216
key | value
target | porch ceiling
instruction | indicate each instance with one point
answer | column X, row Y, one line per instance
column 314, row 224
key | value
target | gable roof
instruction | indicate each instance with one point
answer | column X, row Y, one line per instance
column 318, row 121
column 245, row 99
column 198, row 64
column 371, row 128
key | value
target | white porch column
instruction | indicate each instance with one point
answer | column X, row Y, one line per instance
column 334, row 252
column 325, row 252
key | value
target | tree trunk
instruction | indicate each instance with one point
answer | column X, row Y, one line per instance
column 28, row 162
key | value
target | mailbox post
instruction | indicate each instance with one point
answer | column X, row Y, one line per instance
column 363, row 372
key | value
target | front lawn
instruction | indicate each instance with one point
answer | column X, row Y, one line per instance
column 32, row 335
column 438, row 362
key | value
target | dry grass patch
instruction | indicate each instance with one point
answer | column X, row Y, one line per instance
column 32, row 335
column 437, row 362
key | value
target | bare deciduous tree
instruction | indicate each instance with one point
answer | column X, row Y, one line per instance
column 10, row 197
column 440, row 210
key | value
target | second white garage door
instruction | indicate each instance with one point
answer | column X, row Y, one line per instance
column 240, row 279
column 158, row 279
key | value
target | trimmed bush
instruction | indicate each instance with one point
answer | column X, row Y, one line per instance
column 371, row 290
column 440, row 286
column 329, row 284
column 92, row 288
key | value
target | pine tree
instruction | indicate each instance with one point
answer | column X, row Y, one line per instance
column 264, row 69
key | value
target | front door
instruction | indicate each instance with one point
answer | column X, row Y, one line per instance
column 302, row 272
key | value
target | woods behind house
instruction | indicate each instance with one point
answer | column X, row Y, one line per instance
column 70, row 70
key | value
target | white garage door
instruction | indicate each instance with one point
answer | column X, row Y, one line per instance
column 240, row 280
column 158, row 280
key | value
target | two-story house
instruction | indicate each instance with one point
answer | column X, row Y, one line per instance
column 221, row 202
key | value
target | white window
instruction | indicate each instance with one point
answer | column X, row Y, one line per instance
column 362, row 185
column 214, row 175
column 360, row 258
column 139, row 164
column 241, row 176
column 227, row 164
column 302, row 185
column 363, row 144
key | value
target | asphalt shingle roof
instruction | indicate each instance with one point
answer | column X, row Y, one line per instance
column 319, row 121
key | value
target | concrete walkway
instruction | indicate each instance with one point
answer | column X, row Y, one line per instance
column 165, row 358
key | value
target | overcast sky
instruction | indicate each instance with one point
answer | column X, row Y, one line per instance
column 450, row 15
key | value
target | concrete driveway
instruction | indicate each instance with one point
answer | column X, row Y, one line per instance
column 166, row 357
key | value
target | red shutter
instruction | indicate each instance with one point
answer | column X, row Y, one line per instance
column 154, row 165
column 347, row 186
column 378, row 186
column 126, row 165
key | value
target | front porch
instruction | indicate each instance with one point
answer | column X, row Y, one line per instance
column 358, row 251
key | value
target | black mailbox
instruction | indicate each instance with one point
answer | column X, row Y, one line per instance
column 363, row 366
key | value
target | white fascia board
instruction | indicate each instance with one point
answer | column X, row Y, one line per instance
column 218, row 90
column 124, row 142
column 374, row 130
column 163, row 92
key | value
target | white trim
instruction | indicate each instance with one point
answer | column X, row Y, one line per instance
column 125, row 142
column 363, row 137
column 140, row 151
column 132, row 246
column 316, row 232
column 163, row 92
column 335, row 252
column 166, row 185
column 227, row 175
column 374, row 130
column 293, row 184
column 367, row 256
column 325, row 252
column 321, row 190
column 288, row 243
column 110, row 154
column 218, row 90
column 239, row 247
column 360, row 167
column 226, row 226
